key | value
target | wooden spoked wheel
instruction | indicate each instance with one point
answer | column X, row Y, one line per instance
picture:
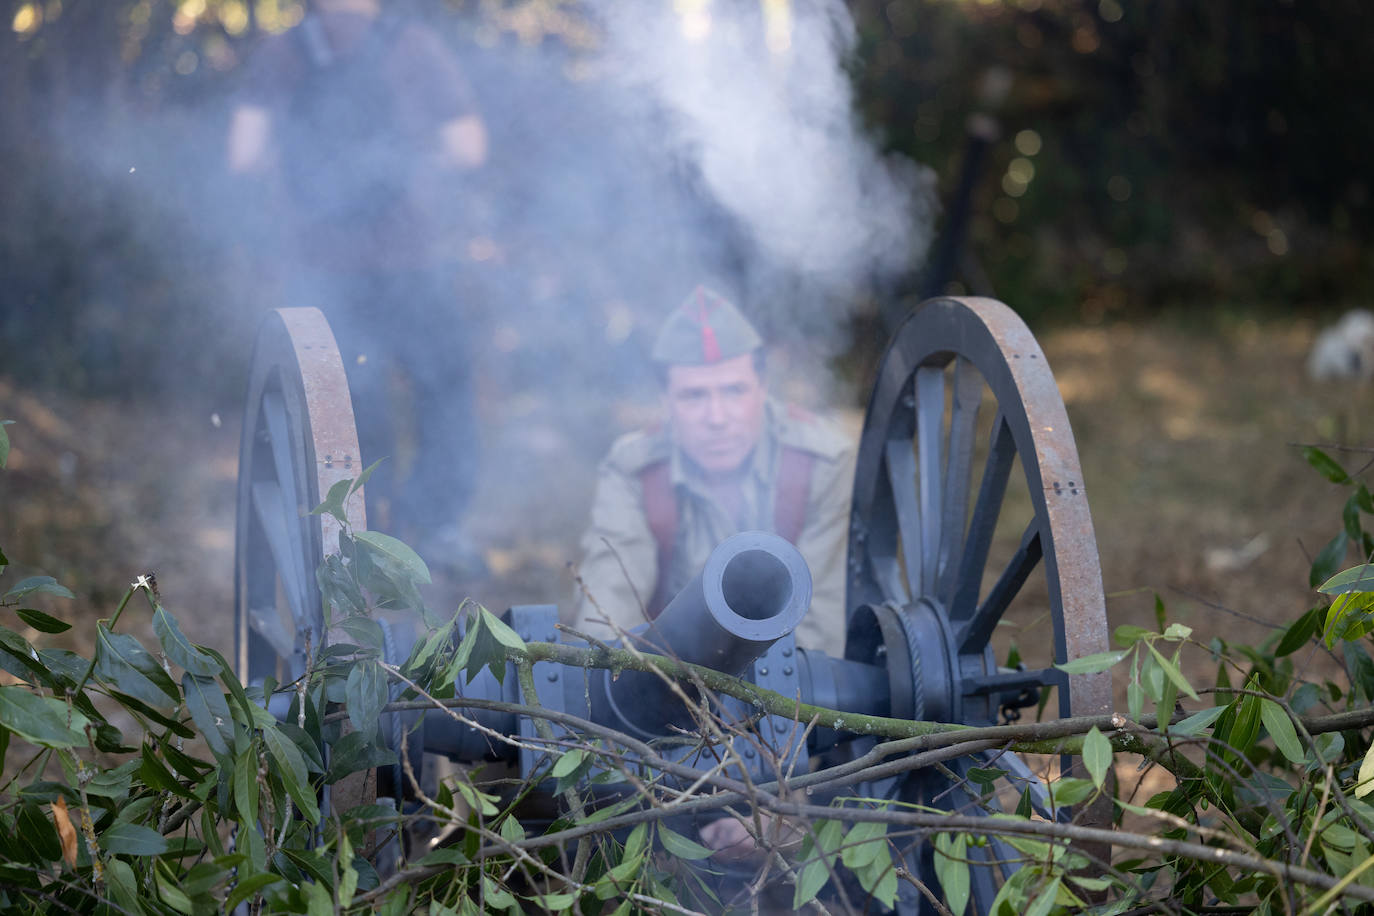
column 958, row 564
column 298, row 440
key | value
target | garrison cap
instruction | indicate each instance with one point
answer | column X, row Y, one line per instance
column 706, row 328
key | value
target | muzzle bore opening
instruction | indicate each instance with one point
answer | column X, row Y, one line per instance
column 756, row 585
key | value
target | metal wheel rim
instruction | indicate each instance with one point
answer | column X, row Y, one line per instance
column 298, row 440
column 896, row 505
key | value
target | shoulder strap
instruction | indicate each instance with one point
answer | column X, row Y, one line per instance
column 660, row 508
column 794, row 484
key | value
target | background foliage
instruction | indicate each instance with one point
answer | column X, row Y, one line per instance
column 1134, row 171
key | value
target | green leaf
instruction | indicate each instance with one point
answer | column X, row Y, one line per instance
column 18, row 657
column 395, row 555
column 1247, row 725
column 511, row 831
column 571, row 768
column 365, row 694
column 1280, row 728
column 41, row 842
column 318, row 900
column 291, row 770
column 1329, row 560
column 1197, row 721
column 210, row 711
column 1091, row 664
column 985, row 777
column 1172, row 673
column 1299, row 632
column 952, row 870
column 554, row 902
column 365, row 476
column 356, row 751
column 247, row 888
column 1097, row 755
column 1350, row 518
column 880, row 880
column 115, row 782
column 478, row 800
column 1177, row 631
column 678, row 845
column 122, row 663
column 245, row 784
column 41, row 720
column 1135, row 694
column 568, row 763
column 1349, row 617
column 635, row 842
column 1325, row 465
column 133, row 839
column 152, row 771
column 4, row 442
column 348, row 881
column 815, row 872
column 119, row 876
column 863, row 845
column 1044, row 901
column 1364, row 783
column 179, row 648
column 1355, row 579
column 36, row 585
column 364, row 631
column 1070, row 791
column 1128, row 635
column 41, row 622
column 334, row 501
column 503, row 634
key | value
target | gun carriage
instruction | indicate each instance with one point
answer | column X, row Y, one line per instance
column 963, row 396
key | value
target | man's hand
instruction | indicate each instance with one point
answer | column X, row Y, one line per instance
column 732, row 841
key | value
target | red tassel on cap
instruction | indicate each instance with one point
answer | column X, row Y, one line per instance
column 710, row 347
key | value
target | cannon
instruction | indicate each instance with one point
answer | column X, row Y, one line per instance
column 966, row 580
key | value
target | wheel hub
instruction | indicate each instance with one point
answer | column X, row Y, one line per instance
column 914, row 643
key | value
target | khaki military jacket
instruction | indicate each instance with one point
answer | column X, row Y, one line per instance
column 619, row 566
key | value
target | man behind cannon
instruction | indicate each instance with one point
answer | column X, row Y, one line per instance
column 728, row 459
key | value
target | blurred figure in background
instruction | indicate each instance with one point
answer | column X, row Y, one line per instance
column 363, row 122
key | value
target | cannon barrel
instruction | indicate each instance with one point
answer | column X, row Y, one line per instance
column 752, row 591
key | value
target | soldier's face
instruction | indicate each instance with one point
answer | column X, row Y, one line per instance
column 716, row 412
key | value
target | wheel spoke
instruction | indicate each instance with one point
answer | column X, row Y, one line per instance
column 901, row 478
column 978, row 629
column 268, row 506
column 279, row 438
column 274, row 412
column 983, row 525
column 930, row 415
column 968, row 397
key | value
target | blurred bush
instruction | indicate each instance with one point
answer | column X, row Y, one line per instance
column 1153, row 155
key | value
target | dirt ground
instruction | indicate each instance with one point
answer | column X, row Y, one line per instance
column 1187, row 440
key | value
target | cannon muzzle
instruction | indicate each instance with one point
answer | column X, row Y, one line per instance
column 752, row 591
